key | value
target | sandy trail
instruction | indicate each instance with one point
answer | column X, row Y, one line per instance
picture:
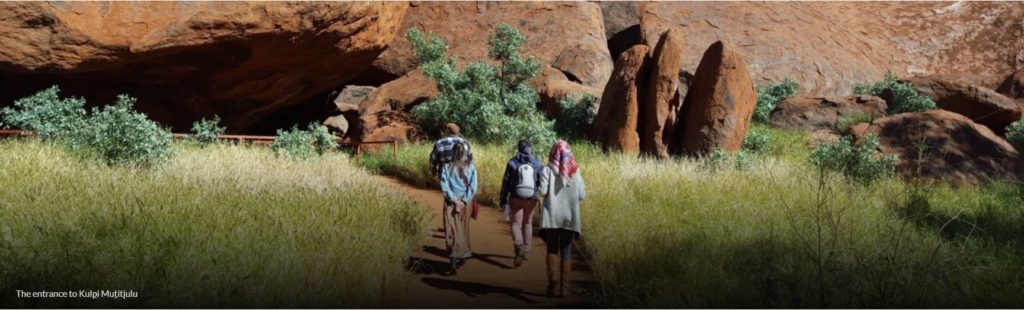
column 487, row 280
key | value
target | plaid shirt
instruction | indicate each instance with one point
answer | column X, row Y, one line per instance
column 442, row 153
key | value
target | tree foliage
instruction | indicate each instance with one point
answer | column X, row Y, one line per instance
column 489, row 102
column 768, row 97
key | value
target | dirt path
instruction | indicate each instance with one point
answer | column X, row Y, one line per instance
column 488, row 279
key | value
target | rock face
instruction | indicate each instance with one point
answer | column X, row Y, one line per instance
column 719, row 104
column 400, row 94
column 829, row 46
column 1013, row 87
column 661, row 104
column 957, row 149
column 568, row 35
column 814, row 113
column 615, row 125
column 243, row 61
column 982, row 105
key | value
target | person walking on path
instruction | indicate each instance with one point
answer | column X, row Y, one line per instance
column 519, row 198
column 561, row 186
column 442, row 152
column 459, row 185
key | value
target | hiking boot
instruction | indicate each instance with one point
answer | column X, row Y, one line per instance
column 518, row 260
column 563, row 289
column 552, row 263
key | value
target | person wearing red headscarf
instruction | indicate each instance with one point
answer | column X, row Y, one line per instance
column 561, row 186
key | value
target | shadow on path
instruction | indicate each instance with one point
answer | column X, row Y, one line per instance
column 472, row 289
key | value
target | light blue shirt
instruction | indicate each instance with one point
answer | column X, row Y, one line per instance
column 454, row 187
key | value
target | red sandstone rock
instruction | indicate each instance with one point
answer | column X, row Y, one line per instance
column 719, row 104
column 823, row 113
column 661, row 105
column 615, row 125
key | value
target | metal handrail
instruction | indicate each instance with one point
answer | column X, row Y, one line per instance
column 253, row 139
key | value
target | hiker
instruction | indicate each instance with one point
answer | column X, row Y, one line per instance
column 562, row 188
column 442, row 152
column 459, row 184
column 519, row 198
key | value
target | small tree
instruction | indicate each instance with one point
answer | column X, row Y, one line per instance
column 206, row 131
column 493, row 103
column 768, row 97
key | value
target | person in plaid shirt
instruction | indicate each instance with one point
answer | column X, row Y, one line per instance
column 442, row 152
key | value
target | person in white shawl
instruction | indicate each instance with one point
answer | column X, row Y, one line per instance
column 561, row 186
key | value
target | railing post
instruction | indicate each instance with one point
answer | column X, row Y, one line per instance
column 359, row 151
column 394, row 150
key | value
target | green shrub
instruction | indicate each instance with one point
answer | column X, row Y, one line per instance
column 769, row 96
column 490, row 103
column 576, row 116
column 904, row 98
column 304, row 144
column 206, row 131
column 116, row 133
column 856, row 161
column 46, row 114
column 121, row 135
column 294, row 143
column 323, row 140
column 756, row 140
column 1015, row 135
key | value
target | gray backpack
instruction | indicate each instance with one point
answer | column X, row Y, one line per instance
column 527, row 185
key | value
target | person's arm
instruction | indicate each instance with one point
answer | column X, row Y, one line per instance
column 506, row 186
column 582, row 187
column 471, row 191
column 542, row 184
column 446, row 186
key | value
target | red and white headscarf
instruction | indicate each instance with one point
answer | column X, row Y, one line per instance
column 563, row 161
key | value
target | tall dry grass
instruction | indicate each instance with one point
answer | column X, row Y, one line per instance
column 778, row 233
column 221, row 226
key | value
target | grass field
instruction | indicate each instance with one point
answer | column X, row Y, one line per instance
column 220, row 226
column 779, row 233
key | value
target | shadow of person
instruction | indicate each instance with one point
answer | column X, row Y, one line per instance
column 423, row 266
column 473, row 289
column 486, row 258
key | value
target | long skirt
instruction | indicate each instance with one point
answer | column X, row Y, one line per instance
column 456, row 231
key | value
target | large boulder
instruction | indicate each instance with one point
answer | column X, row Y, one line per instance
column 980, row 104
column 615, row 125
column 814, row 113
column 719, row 104
column 552, row 86
column 660, row 106
column 387, row 126
column 828, row 47
column 243, row 61
column 337, row 124
column 943, row 145
column 350, row 98
column 400, row 94
column 1013, row 86
column 568, row 35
